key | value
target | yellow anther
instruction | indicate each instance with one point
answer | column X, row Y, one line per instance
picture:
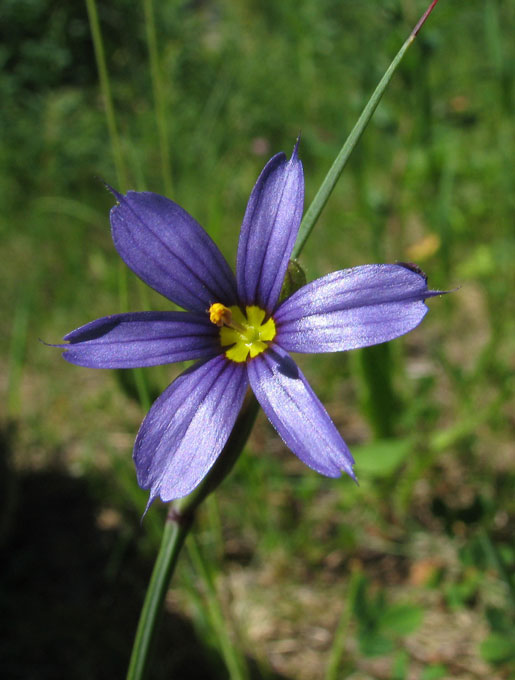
column 220, row 315
column 244, row 335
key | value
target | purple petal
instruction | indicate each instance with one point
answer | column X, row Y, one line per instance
column 142, row 339
column 353, row 308
column 170, row 251
column 187, row 428
column 297, row 414
column 269, row 230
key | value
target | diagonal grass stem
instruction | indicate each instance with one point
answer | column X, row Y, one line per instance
column 105, row 89
column 121, row 172
column 159, row 97
column 322, row 196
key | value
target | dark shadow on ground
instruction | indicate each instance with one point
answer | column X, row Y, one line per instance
column 66, row 613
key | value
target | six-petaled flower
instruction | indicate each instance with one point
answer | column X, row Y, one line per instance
column 238, row 329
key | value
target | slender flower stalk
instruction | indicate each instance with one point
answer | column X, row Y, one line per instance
column 174, row 535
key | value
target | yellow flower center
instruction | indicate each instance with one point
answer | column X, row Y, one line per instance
column 244, row 334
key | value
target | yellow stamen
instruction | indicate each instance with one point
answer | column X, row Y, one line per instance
column 245, row 334
column 220, row 314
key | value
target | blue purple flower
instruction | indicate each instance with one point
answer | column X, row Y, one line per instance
column 238, row 329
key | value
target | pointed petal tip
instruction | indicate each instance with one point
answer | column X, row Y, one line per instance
column 295, row 153
column 151, row 499
column 417, row 270
column 119, row 197
column 347, row 467
column 49, row 344
column 187, row 428
column 269, row 230
column 297, row 414
column 436, row 293
column 153, row 496
column 66, row 355
column 351, row 473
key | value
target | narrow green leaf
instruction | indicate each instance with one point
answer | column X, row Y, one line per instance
column 313, row 212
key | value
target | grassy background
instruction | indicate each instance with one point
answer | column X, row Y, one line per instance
column 409, row 575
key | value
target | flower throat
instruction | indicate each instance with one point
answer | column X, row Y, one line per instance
column 248, row 335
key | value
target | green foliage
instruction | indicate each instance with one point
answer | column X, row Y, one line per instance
column 428, row 418
column 380, row 401
column 498, row 648
column 380, row 623
column 382, row 458
column 434, row 672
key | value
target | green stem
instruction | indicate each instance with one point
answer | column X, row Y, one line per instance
column 174, row 535
column 121, row 173
column 159, row 98
column 105, row 88
column 178, row 523
column 317, row 205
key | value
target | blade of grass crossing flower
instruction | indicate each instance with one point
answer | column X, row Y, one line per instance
column 121, row 172
column 105, row 88
column 379, row 399
column 143, row 389
column 234, row 659
column 159, row 98
column 375, row 364
column 68, row 206
column 116, row 148
column 317, row 205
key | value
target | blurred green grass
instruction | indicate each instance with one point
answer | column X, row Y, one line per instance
column 432, row 181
